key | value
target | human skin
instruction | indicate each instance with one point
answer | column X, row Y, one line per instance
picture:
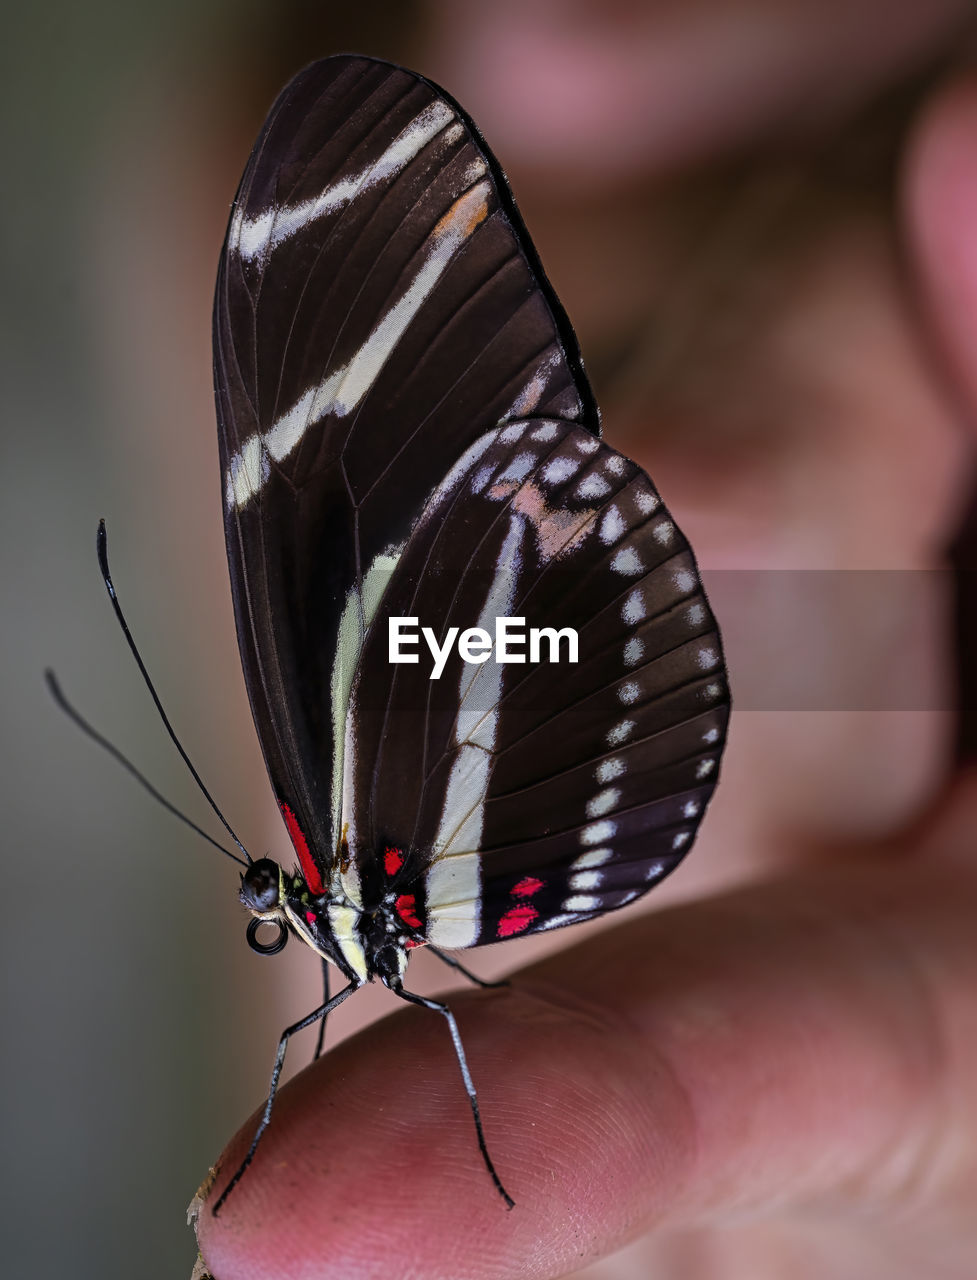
column 774, row 1080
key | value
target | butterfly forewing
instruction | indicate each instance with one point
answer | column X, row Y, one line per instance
column 527, row 795
column 379, row 308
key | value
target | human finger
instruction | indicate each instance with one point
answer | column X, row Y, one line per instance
column 802, row 1044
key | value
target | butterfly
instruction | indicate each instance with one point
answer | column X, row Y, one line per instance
column 408, row 440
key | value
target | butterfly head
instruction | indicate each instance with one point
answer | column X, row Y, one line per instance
column 261, row 889
column 329, row 924
column 262, row 892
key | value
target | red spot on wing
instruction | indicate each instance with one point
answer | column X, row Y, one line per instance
column 406, row 906
column 526, row 888
column 393, row 860
column 310, row 918
column 515, row 920
column 411, row 943
column 310, row 871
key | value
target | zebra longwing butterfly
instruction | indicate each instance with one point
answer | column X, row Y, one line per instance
column 407, row 432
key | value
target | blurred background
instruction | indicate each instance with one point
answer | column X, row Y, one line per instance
column 712, row 187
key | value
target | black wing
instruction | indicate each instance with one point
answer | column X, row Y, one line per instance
column 524, row 796
column 379, row 306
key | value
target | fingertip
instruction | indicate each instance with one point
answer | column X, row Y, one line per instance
column 762, row 1049
column 370, row 1166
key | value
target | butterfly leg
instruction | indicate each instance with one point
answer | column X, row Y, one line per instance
column 436, row 1007
column 456, row 964
column 325, row 1000
column 315, row 1016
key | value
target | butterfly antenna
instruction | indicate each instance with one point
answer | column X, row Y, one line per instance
column 74, row 714
column 101, row 543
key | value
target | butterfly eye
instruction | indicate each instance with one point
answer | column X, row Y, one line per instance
column 259, row 886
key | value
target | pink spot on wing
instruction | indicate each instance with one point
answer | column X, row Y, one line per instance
column 557, row 530
column 310, row 918
column 310, row 871
column 515, row 920
column 526, row 888
column 393, row 860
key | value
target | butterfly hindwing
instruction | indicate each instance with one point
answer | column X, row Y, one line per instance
column 379, row 307
column 526, row 795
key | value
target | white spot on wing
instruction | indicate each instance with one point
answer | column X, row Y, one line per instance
column 586, row 880
column 629, row 692
column 608, row 770
column 634, row 651
column 627, row 561
column 612, row 526
column 592, row 486
column 560, row 469
column 620, row 733
column 582, row 902
column 603, row 802
column 510, row 434
column 518, row 468
column 634, row 608
column 554, row 922
column 597, row 832
column 593, row 858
